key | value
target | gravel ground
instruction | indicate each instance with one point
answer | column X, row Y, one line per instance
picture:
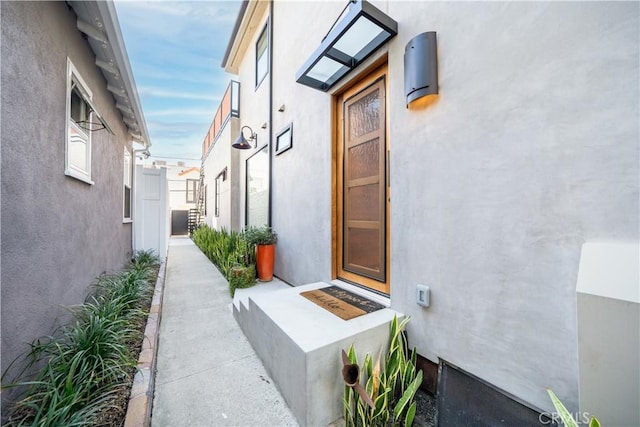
column 426, row 411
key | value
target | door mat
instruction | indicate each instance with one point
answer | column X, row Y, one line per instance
column 344, row 304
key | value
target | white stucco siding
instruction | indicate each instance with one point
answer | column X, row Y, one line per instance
column 254, row 109
column 530, row 149
column 220, row 157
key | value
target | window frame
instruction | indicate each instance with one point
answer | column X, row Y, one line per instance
column 220, row 178
column 73, row 171
column 204, row 189
column 127, row 176
column 267, row 51
column 193, row 191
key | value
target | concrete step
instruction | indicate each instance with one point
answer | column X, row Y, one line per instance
column 299, row 344
column 241, row 298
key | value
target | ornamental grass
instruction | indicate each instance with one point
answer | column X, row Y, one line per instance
column 84, row 370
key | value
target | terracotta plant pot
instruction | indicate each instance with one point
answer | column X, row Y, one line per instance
column 264, row 261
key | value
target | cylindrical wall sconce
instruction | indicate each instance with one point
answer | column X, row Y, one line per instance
column 420, row 67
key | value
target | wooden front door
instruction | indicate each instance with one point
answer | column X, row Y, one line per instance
column 362, row 191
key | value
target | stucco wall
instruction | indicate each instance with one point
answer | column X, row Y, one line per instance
column 254, row 111
column 302, row 177
column 530, row 149
column 222, row 156
column 58, row 233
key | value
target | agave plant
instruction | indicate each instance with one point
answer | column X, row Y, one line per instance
column 391, row 385
column 565, row 415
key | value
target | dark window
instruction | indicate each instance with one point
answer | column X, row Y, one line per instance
column 127, row 202
column 262, row 56
column 222, row 176
column 205, row 199
column 192, row 186
column 126, row 213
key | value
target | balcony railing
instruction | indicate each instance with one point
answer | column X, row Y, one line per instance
column 229, row 107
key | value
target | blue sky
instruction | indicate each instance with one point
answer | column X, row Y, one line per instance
column 175, row 49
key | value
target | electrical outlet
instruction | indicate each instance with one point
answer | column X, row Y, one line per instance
column 423, row 296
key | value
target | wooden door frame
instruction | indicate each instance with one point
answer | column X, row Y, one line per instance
column 368, row 77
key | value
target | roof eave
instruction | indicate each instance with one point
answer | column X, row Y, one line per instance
column 245, row 27
column 111, row 29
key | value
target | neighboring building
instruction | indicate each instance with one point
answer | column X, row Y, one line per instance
column 485, row 192
column 182, row 183
column 70, row 113
column 222, row 196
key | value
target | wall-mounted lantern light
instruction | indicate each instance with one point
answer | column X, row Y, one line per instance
column 352, row 39
column 420, row 67
column 242, row 143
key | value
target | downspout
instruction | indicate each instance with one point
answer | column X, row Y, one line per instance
column 270, row 110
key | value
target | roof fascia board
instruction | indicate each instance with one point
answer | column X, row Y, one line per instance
column 246, row 26
column 111, row 27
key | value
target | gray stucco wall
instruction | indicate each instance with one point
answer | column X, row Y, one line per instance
column 530, row 150
column 58, row 234
column 302, row 176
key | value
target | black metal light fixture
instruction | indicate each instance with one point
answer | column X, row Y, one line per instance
column 356, row 34
column 242, row 143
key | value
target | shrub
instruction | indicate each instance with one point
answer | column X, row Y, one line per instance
column 261, row 235
column 241, row 277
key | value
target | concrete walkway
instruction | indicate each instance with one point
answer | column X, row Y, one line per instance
column 207, row 372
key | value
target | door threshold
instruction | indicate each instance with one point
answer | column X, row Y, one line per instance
column 373, row 296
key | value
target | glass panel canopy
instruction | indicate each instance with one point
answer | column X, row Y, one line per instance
column 324, row 69
column 358, row 37
column 360, row 30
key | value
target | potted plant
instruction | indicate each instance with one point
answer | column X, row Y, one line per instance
column 264, row 239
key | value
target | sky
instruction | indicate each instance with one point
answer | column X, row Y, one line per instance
column 175, row 49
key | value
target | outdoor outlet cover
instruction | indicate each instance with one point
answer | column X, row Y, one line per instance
column 422, row 295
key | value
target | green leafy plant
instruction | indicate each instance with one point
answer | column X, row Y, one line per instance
column 83, row 368
column 565, row 415
column 226, row 250
column 391, row 384
column 145, row 258
column 261, row 235
column 241, row 277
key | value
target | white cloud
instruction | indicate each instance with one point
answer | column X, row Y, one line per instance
column 197, row 112
column 219, row 12
column 175, row 48
column 168, row 93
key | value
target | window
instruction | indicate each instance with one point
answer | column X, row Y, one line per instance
column 262, row 56
column 78, row 129
column 222, row 176
column 192, row 187
column 127, row 186
column 205, row 199
column 257, row 188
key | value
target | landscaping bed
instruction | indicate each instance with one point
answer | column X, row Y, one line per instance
column 85, row 370
column 231, row 252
